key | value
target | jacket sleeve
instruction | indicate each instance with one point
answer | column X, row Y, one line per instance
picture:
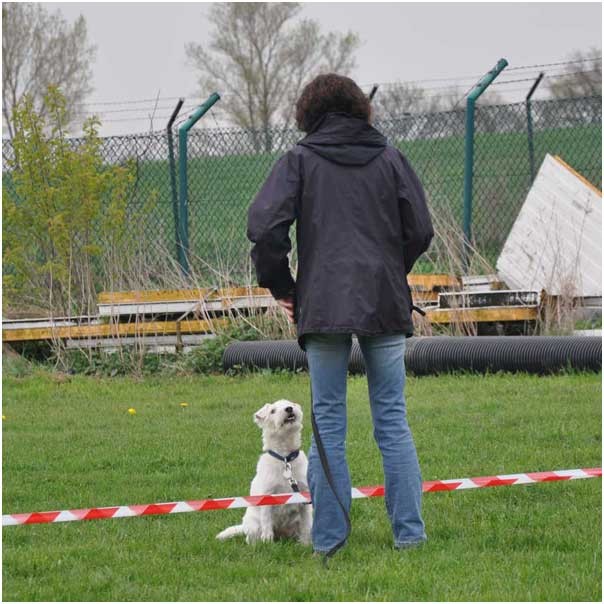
column 269, row 218
column 415, row 216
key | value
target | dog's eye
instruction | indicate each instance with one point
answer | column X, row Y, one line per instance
column 272, row 411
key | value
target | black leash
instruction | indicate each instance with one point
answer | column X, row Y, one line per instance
column 330, row 481
column 418, row 310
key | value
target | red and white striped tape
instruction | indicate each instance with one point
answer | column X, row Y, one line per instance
column 228, row 503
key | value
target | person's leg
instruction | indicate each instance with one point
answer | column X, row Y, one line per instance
column 328, row 363
column 385, row 363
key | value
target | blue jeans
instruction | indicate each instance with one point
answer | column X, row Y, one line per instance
column 384, row 360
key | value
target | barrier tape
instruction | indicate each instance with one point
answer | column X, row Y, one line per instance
column 228, row 503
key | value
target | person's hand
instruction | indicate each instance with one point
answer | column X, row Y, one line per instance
column 287, row 304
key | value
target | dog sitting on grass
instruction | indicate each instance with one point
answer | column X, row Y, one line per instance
column 281, row 468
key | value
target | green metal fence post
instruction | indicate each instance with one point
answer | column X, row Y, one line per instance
column 529, row 124
column 183, row 192
column 469, row 148
column 172, row 166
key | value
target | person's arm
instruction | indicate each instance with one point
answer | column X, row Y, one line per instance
column 269, row 219
column 415, row 216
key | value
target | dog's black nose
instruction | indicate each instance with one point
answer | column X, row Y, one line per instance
column 289, row 409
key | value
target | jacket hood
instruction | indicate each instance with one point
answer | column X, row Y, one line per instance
column 344, row 139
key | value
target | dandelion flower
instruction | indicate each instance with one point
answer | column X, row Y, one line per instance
column 132, row 411
column 183, row 405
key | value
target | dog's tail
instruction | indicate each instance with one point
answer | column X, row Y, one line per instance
column 232, row 531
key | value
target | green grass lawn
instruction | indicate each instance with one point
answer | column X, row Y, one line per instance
column 69, row 445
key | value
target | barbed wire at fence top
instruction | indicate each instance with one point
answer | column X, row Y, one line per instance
column 450, row 90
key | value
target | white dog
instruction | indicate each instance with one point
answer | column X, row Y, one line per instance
column 281, row 467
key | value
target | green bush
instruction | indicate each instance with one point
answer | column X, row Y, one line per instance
column 63, row 208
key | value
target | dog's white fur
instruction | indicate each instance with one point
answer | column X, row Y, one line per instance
column 281, row 424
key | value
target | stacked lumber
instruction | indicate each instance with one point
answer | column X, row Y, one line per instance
column 167, row 320
column 207, row 301
column 93, row 333
column 159, row 318
column 503, row 310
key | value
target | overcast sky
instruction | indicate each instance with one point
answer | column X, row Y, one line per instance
column 141, row 46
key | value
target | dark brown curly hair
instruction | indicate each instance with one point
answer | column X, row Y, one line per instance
column 330, row 93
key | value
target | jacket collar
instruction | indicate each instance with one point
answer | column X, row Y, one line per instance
column 344, row 139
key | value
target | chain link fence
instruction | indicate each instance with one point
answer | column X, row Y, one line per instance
column 570, row 128
column 146, row 155
column 227, row 166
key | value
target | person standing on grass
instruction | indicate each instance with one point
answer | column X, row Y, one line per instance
column 361, row 223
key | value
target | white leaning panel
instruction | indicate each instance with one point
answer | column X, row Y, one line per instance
column 556, row 242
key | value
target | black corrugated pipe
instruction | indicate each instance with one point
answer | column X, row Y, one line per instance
column 431, row 355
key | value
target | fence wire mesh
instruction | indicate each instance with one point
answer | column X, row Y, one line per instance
column 227, row 166
column 570, row 128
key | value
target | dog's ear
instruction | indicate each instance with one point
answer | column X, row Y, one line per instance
column 261, row 415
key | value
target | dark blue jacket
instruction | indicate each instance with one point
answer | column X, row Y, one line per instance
column 361, row 223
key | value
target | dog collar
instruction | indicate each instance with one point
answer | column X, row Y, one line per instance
column 287, row 472
column 286, row 459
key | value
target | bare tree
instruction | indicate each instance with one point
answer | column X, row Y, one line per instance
column 491, row 97
column 39, row 49
column 584, row 79
column 401, row 98
column 258, row 57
